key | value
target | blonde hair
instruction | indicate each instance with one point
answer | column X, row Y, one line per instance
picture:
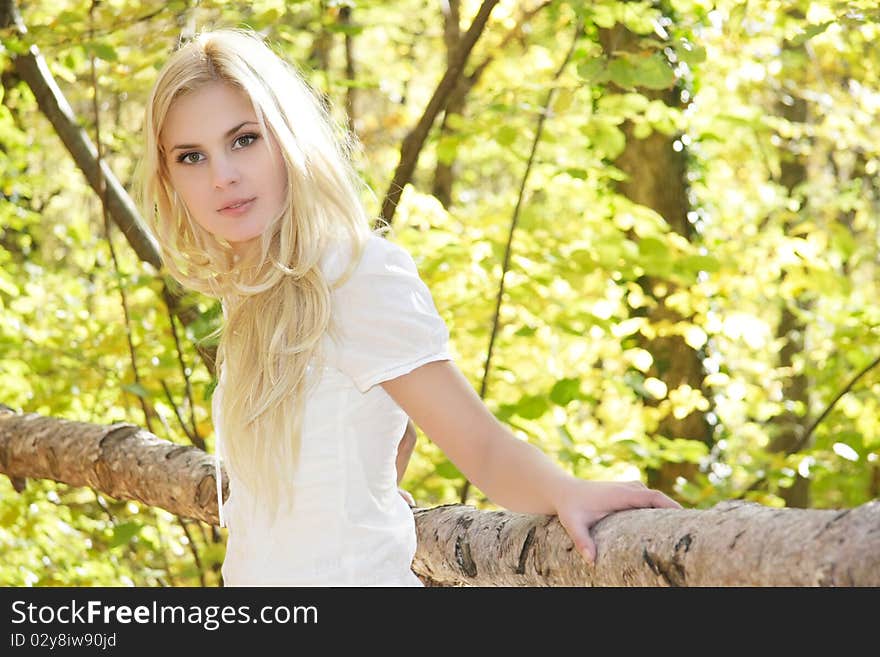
column 276, row 299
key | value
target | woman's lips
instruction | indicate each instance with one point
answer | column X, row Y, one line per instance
column 238, row 209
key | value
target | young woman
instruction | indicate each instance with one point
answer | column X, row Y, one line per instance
column 330, row 339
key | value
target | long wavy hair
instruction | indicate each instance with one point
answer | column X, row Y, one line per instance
column 275, row 298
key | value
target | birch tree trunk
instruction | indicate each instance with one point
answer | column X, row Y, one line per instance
column 732, row 544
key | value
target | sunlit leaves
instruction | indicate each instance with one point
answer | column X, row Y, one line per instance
column 628, row 71
column 570, row 369
column 605, row 137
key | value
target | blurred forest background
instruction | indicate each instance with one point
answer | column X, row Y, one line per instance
column 673, row 206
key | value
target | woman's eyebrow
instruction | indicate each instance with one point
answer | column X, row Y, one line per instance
column 229, row 133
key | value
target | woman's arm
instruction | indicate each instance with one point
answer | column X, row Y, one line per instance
column 405, row 449
column 404, row 452
column 511, row 472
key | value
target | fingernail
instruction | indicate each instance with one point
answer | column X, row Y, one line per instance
column 587, row 556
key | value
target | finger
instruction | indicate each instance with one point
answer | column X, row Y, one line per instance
column 579, row 531
column 587, row 548
column 644, row 498
column 662, row 501
column 650, row 498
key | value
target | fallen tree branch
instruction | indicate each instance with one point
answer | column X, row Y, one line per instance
column 732, row 544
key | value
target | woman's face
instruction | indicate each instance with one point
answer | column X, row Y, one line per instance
column 220, row 163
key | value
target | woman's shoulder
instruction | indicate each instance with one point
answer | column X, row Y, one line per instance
column 377, row 256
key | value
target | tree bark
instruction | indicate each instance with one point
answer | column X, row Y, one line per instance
column 732, row 544
column 122, row 460
column 350, row 72
column 412, row 143
column 790, row 425
column 656, row 179
column 444, row 176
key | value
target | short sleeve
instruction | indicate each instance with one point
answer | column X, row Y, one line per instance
column 385, row 320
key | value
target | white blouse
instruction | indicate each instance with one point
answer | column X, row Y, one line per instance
column 348, row 525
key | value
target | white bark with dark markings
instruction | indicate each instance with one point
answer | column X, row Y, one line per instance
column 732, row 544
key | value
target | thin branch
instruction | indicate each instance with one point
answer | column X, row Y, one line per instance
column 809, row 432
column 194, row 434
column 102, row 195
column 163, row 552
column 542, row 117
column 413, row 142
column 195, row 440
column 802, row 441
column 193, row 549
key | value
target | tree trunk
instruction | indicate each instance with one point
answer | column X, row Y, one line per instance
column 733, row 544
column 789, row 426
column 656, row 179
column 443, row 174
column 350, row 72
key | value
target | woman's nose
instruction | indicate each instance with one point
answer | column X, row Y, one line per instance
column 225, row 173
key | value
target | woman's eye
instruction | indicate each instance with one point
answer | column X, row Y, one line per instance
column 190, row 158
column 245, row 140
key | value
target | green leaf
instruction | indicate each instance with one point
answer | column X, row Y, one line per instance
column 690, row 53
column 209, row 389
column 506, row 135
column 681, row 450
column 606, row 138
column 68, row 18
column 622, row 73
column 341, row 28
column 636, row 381
column 7, row 285
column 693, row 264
column 565, row 391
column 652, row 247
column 843, row 241
column 124, row 532
column 447, row 148
column 604, row 16
column 101, row 50
column 593, row 70
column 810, row 32
column 137, row 389
column 531, row 407
column 654, row 72
column 447, row 470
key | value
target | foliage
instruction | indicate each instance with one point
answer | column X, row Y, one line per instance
column 569, row 372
